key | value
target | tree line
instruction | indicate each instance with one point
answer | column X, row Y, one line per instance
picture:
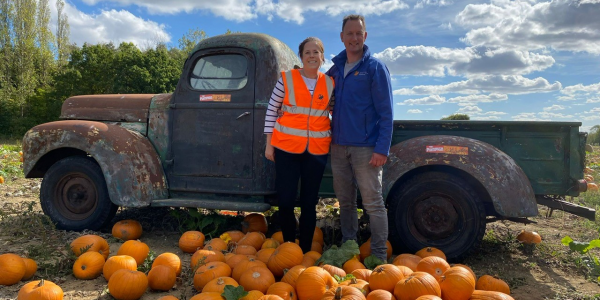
column 39, row 68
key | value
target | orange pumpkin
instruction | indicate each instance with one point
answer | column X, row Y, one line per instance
column 363, row 274
column 208, row 296
column 466, row 267
column 253, row 295
column 42, row 290
column 490, row 295
column 257, row 278
column 591, row 186
column 286, row 256
column 309, row 259
column 232, row 236
column 210, row 271
column 317, row 247
column 216, row 244
column 431, row 251
column 408, row 260
column 190, row 241
column 434, row 265
column 318, row 236
column 457, row 284
column 30, row 268
column 529, row 237
column 352, row 264
column 270, row 297
column 88, row 265
column 128, row 284
column 380, row 295
column 360, row 284
column 416, row 285
column 218, row 284
column 234, row 259
column 406, row 271
column 333, row 270
column 254, row 222
column 12, row 268
column 245, row 249
column 127, row 230
column 270, row 243
column 244, row 266
column 203, row 257
column 162, row 278
column 254, row 239
column 118, row 262
column 343, row 293
column 136, row 249
column 278, row 236
column 313, row 283
column 168, row 297
column 365, row 249
column 429, row 297
column 492, row 283
column 283, row 290
column 291, row 276
column 385, row 277
column 264, row 254
column 91, row 242
column 168, row 259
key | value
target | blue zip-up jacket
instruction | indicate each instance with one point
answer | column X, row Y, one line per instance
column 363, row 114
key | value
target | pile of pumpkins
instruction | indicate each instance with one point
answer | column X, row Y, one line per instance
column 267, row 269
column 591, row 185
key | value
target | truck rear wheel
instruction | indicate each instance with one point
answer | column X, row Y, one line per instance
column 74, row 195
column 436, row 209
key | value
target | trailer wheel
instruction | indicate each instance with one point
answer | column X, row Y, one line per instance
column 74, row 195
column 436, row 209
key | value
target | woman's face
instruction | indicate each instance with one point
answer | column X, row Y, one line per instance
column 312, row 57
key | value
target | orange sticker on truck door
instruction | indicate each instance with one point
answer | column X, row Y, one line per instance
column 447, row 149
column 215, row 98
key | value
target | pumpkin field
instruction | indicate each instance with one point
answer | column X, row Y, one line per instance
column 179, row 253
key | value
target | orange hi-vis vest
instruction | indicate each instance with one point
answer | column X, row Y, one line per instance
column 305, row 122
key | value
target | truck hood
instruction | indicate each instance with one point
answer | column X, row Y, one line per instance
column 116, row 108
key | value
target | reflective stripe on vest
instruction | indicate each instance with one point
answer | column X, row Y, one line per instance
column 302, row 133
column 305, row 110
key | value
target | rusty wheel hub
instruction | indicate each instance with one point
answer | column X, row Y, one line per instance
column 76, row 196
column 435, row 217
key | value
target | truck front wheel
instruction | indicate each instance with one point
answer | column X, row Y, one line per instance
column 74, row 195
column 436, row 209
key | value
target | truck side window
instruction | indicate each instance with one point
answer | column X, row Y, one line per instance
column 220, row 72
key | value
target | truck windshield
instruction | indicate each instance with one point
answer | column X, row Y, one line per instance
column 220, row 72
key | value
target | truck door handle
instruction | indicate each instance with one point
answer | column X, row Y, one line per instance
column 244, row 114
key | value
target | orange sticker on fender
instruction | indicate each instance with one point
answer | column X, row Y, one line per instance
column 447, row 149
column 215, row 98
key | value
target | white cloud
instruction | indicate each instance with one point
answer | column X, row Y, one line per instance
column 554, row 107
column 528, row 117
column 107, row 26
column 595, row 110
column 244, row 10
column 551, row 115
column 470, row 110
column 501, row 84
column 478, row 98
column 429, row 100
column 579, row 92
column 432, row 61
column 559, row 24
column 423, row 3
column 446, row 26
column 485, row 118
column 592, row 118
column 593, row 100
column 414, row 111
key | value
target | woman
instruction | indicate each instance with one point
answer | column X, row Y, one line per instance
column 298, row 141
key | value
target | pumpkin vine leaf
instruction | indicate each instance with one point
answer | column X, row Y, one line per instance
column 372, row 261
column 338, row 256
column 233, row 293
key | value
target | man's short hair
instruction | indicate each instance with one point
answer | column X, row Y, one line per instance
column 355, row 18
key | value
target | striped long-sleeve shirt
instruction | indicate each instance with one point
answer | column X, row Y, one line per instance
column 276, row 102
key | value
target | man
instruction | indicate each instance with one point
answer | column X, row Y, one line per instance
column 362, row 132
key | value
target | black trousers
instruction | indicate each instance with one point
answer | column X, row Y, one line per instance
column 308, row 169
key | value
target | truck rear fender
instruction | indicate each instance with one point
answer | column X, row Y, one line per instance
column 131, row 167
column 504, row 181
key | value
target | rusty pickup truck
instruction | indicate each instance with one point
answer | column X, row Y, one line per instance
column 203, row 146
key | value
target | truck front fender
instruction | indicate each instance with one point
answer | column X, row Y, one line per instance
column 504, row 181
column 131, row 167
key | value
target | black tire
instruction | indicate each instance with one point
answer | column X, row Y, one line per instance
column 74, row 195
column 436, row 209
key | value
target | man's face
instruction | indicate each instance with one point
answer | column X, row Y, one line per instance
column 354, row 36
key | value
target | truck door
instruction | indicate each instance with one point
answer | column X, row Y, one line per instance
column 212, row 125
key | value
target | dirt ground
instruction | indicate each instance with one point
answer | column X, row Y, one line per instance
column 546, row 272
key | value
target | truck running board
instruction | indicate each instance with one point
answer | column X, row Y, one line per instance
column 213, row 204
column 560, row 204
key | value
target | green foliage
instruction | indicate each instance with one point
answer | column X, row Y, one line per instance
column 372, row 261
column 587, row 259
column 233, row 293
column 338, row 256
column 147, row 264
column 594, row 135
column 457, row 117
column 341, row 279
column 210, row 223
column 10, row 161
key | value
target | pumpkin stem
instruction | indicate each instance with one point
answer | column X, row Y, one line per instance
column 338, row 293
column 379, row 269
column 255, row 275
column 41, row 284
column 220, row 281
column 353, row 280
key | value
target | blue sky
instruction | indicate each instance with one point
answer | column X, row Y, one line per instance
column 494, row 60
